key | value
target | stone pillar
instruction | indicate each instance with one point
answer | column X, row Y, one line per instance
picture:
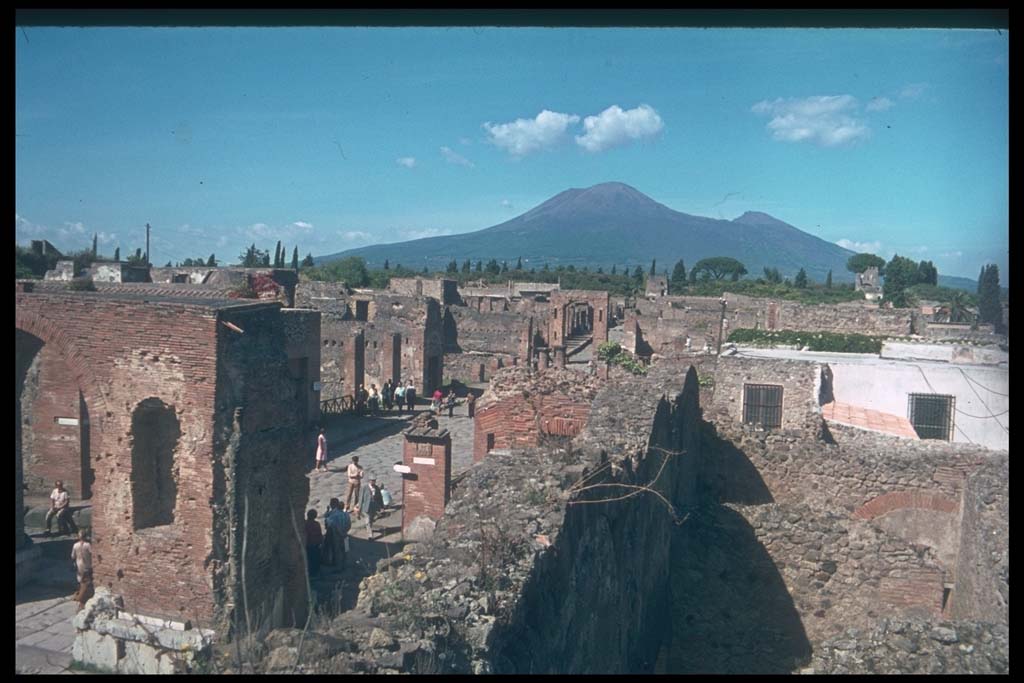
column 542, row 359
column 426, row 486
column 559, row 356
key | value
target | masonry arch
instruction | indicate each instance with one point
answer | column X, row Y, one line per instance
column 58, row 430
column 155, row 434
column 898, row 500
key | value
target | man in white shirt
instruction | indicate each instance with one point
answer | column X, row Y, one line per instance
column 355, row 478
column 60, row 507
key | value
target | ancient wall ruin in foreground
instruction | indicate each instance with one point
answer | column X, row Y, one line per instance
column 187, row 420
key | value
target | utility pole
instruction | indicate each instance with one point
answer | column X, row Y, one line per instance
column 147, row 244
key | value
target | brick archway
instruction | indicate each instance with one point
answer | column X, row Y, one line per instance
column 50, row 334
column 899, row 500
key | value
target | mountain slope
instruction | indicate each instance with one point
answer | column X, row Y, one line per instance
column 615, row 224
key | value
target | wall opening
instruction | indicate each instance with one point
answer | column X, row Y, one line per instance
column 932, row 415
column 154, row 479
column 762, row 405
column 362, row 310
column 490, row 442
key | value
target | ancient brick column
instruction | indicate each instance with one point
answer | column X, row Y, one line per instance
column 559, row 356
column 426, row 477
column 542, row 359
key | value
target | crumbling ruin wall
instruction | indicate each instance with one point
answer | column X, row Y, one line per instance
column 491, row 340
column 800, row 382
column 522, row 406
column 260, row 488
column 327, row 297
column 982, row 590
column 445, row 291
column 759, row 313
column 302, row 346
column 540, row 563
column 162, row 544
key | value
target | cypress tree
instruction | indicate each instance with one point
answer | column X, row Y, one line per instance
column 828, row 280
column 989, row 308
column 653, row 272
column 117, row 254
column 277, row 254
column 295, row 258
column 94, row 244
column 801, row 279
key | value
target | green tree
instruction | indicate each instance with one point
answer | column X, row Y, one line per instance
column 492, row 267
column 958, row 307
column 678, row 281
column 386, row 264
column 801, row 279
column 653, row 272
column 466, row 266
column 308, row 261
column 117, row 253
column 927, row 273
column 277, row 254
column 212, row 261
column 718, row 267
column 453, row 267
column 858, row 263
column 425, row 271
column 545, row 269
column 828, row 280
column 613, row 270
column 638, row 275
column 519, row 263
column 295, row 258
column 504, row 266
column 772, row 275
column 900, row 273
column 95, row 244
column 990, row 310
column 479, row 267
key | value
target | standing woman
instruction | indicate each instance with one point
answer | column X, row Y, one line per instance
column 321, row 451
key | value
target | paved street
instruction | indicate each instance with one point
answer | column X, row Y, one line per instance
column 43, row 633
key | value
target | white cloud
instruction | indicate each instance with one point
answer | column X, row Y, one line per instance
column 523, row 136
column 465, row 141
column 260, row 231
column 823, row 119
column 416, row 234
column 860, row 247
column 303, row 226
column 408, row 162
column 25, row 228
column 614, row 127
column 879, row 104
column 507, row 204
column 453, row 157
column 913, row 91
column 355, row 235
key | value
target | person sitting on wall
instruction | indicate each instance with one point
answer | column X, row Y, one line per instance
column 60, row 507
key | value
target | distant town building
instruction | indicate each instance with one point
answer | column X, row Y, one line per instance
column 868, row 283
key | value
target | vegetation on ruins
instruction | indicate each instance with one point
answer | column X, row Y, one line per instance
column 901, row 273
column 800, row 282
column 814, row 341
column 612, row 352
column 677, row 283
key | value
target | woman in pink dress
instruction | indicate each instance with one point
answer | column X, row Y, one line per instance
column 321, row 451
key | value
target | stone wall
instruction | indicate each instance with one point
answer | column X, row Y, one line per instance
column 914, row 646
column 800, row 382
column 445, row 291
column 982, row 589
column 302, row 346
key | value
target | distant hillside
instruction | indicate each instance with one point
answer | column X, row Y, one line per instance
column 615, row 224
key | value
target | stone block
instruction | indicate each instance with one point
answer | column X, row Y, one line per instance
column 140, row 658
column 96, row 650
column 419, row 529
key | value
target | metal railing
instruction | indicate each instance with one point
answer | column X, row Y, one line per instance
column 337, row 405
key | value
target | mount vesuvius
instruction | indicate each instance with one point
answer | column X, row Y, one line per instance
column 615, row 224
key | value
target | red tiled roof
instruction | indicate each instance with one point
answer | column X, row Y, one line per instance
column 865, row 418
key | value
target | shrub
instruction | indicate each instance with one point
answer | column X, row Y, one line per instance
column 814, row 341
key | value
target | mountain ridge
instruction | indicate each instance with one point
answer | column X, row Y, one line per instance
column 613, row 223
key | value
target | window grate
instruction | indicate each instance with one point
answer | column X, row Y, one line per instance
column 762, row 405
column 932, row 415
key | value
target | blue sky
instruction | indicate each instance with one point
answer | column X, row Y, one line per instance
column 332, row 138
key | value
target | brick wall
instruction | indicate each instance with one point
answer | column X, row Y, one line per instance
column 121, row 352
column 54, row 451
column 302, row 346
column 520, row 421
column 426, row 489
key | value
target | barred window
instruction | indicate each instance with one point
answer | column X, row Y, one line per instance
column 762, row 405
column 932, row 415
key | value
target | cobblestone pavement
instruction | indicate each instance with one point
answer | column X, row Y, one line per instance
column 43, row 610
column 378, row 451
